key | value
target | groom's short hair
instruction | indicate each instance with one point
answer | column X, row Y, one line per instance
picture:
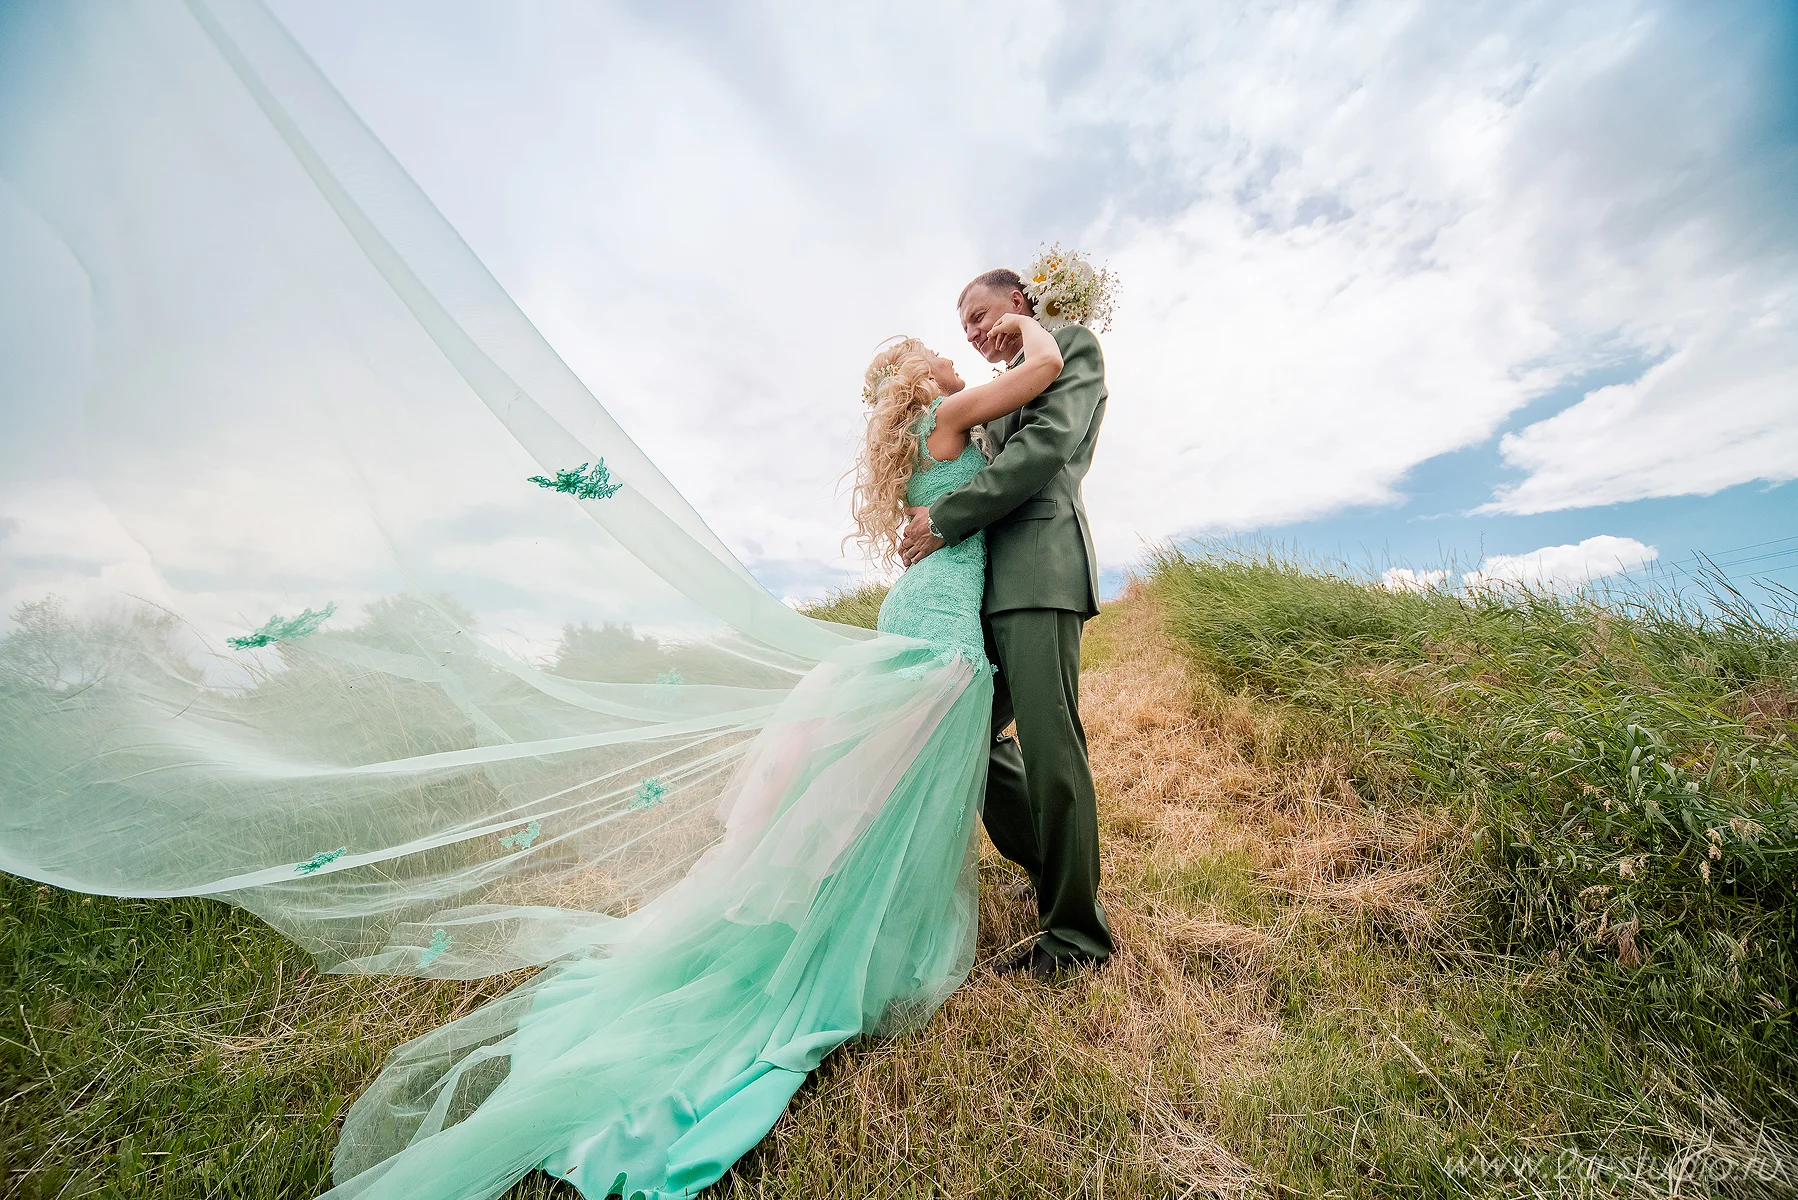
column 1003, row 280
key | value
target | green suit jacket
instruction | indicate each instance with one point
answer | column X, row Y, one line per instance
column 1039, row 551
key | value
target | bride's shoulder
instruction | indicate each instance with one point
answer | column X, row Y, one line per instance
column 924, row 424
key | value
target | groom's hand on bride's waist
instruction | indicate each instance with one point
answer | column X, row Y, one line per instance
column 917, row 541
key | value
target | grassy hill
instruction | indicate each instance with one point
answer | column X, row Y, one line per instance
column 1416, row 896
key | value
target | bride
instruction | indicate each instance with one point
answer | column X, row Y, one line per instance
column 920, row 447
column 343, row 600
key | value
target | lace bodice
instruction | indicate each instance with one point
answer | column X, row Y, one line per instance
column 932, row 479
column 938, row 600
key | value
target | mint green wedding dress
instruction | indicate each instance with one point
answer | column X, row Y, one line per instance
column 938, row 600
column 331, row 592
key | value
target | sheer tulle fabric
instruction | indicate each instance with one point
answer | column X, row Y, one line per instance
column 291, row 625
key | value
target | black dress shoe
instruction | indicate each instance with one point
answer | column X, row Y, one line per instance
column 1034, row 961
column 1040, row 964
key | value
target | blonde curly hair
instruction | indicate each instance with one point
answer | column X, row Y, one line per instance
column 897, row 386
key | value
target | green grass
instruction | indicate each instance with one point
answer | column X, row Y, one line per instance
column 86, row 1064
column 1622, row 770
column 1223, row 885
column 182, row 1048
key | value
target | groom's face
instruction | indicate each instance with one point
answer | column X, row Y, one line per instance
column 980, row 311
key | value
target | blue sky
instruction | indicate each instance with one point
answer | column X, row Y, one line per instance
column 1407, row 283
column 1750, row 530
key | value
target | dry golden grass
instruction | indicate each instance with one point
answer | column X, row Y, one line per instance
column 1216, row 852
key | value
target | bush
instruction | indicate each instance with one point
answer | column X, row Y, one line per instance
column 859, row 605
column 1625, row 763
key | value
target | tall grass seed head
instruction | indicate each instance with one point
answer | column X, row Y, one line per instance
column 1746, row 828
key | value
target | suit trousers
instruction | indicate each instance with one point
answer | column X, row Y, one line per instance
column 1041, row 811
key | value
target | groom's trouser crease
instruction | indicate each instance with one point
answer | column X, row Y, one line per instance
column 1041, row 811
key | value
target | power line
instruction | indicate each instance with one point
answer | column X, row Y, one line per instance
column 1758, row 545
column 1692, row 566
column 1722, row 557
column 1698, row 565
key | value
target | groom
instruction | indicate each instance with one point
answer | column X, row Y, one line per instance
column 1041, row 586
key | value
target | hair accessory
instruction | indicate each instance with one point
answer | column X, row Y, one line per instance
column 880, row 373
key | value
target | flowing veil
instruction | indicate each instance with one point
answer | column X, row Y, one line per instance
column 334, row 593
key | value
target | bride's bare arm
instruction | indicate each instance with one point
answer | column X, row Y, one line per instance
column 1012, row 390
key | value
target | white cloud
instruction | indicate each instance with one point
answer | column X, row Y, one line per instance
column 1562, row 568
column 714, row 239
column 1351, row 238
column 1720, row 411
column 1404, row 579
column 1413, row 222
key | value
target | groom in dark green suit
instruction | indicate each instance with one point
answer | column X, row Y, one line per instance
column 1041, row 586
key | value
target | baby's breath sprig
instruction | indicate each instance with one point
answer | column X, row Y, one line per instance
column 880, row 373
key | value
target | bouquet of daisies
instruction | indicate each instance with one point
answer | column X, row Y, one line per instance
column 1067, row 290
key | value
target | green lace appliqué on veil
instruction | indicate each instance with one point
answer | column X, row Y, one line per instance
column 324, row 859
column 589, row 481
column 440, row 941
column 522, row 839
column 650, row 792
column 277, row 629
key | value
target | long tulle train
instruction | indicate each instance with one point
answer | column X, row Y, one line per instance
column 650, row 1070
column 335, row 594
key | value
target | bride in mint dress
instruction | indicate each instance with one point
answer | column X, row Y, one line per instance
column 920, row 447
column 338, row 597
column 652, row 1070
